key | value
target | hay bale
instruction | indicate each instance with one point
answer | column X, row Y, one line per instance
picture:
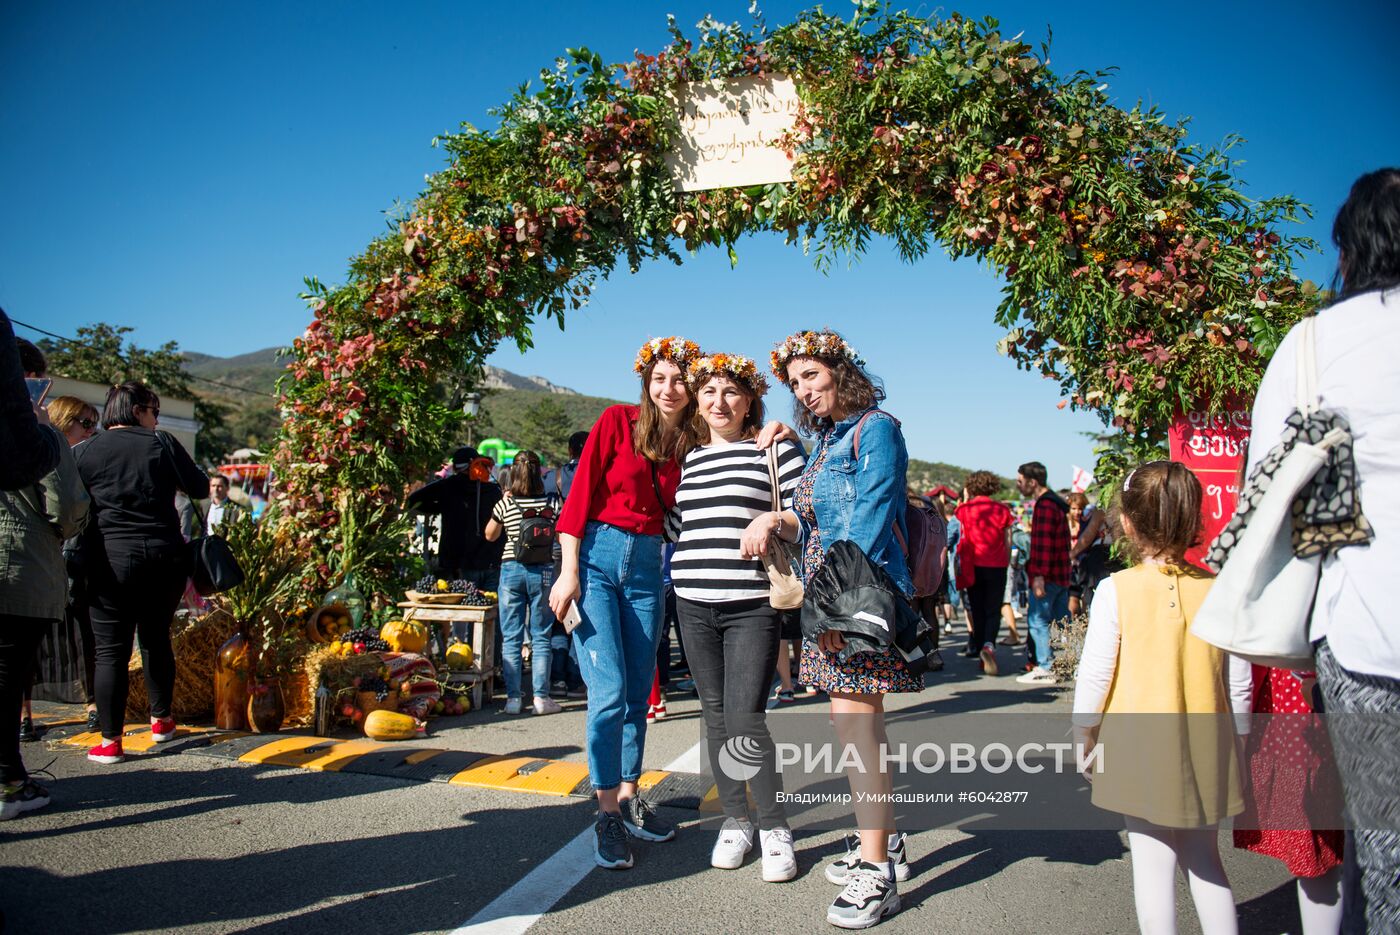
column 196, row 642
column 324, row 667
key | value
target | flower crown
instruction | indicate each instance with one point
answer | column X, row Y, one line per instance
column 678, row 351
column 824, row 343
column 736, row 367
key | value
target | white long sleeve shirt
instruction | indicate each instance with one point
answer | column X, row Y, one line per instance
column 1358, row 371
column 1099, row 661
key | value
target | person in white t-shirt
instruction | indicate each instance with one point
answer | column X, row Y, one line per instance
column 1354, row 626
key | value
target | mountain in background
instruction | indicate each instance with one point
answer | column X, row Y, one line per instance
column 525, row 411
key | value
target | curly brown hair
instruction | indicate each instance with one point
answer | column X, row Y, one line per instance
column 982, row 484
column 1161, row 501
column 855, row 392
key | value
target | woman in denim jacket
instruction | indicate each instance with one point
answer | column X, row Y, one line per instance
column 858, row 495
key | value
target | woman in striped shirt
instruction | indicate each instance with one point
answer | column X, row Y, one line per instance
column 527, row 515
column 730, row 631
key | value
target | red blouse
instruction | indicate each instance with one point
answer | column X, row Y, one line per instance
column 613, row 483
column 984, row 522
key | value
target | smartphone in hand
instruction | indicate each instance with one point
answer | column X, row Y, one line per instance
column 572, row 618
column 38, row 389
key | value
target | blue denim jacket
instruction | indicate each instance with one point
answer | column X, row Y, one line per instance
column 863, row 500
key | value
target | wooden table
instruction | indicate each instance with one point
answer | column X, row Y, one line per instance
column 483, row 642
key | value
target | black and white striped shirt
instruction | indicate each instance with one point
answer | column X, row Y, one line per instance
column 723, row 488
column 508, row 512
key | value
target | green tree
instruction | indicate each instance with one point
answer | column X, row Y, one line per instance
column 545, row 430
column 97, row 356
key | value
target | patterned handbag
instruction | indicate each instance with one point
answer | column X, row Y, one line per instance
column 1260, row 607
column 784, row 586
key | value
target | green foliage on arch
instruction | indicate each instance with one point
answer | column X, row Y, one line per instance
column 1137, row 274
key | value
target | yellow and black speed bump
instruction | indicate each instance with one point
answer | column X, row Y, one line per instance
column 394, row 760
column 414, row 763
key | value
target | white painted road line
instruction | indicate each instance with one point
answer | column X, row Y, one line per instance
column 518, row 908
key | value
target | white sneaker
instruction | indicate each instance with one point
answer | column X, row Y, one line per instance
column 1037, row 676
column 869, row 896
column 779, row 862
column 735, row 842
column 546, row 705
column 896, row 849
column 514, row 705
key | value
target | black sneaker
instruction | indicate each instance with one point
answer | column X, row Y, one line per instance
column 869, row 896
column 643, row 822
column 92, row 721
column 26, row 730
column 611, row 851
column 17, row 799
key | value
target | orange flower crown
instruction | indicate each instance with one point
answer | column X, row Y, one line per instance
column 678, row 351
column 824, row 343
column 736, row 367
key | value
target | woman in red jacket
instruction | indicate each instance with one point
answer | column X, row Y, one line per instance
column 610, row 534
column 986, row 525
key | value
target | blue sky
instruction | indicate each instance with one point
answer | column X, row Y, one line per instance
column 180, row 167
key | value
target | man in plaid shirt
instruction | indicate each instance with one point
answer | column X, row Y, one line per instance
column 1048, row 567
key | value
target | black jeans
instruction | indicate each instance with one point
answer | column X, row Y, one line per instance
column 133, row 590
column 984, row 601
column 663, row 648
column 732, row 649
column 19, row 651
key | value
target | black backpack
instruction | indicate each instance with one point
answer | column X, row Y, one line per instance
column 535, row 545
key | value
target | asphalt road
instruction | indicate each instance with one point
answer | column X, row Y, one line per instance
column 176, row 842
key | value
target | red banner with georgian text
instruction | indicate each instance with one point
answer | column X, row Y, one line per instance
column 1212, row 445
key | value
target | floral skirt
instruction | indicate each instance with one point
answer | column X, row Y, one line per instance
column 880, row 673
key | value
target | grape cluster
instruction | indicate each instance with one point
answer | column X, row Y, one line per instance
column 472, row 596
column 369, row 637
column 374, row 683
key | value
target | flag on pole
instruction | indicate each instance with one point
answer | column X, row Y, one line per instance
column 1082, row 480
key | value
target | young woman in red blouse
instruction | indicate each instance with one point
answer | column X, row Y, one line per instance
column 986, row 524
column 610, row 534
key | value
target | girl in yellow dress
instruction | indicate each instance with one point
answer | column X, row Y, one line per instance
column 1157, row 700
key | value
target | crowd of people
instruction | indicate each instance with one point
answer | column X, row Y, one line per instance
column 692, row 509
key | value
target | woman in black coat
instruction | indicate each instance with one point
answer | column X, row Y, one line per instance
column 136, row 557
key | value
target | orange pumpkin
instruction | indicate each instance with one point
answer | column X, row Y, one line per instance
column 405, row 636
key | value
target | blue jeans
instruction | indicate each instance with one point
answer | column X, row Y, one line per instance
column 1053, row 606
column 620, row 584
column 523, row 600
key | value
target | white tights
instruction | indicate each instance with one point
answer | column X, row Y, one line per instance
column 1156, row 853
column 1320, row 903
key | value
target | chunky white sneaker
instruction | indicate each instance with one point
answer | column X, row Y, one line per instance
column 1037, row 676
column 839, row 869
column 779, row 862
column 733, row 845
column 867, row 899
column 545, row 705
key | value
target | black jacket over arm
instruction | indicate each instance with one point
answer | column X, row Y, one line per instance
column 28, row 451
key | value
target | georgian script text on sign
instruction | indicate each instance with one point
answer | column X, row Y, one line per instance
column 728, row 134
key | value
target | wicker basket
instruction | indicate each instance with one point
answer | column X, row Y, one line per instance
column 368, row 701
column 418, row 597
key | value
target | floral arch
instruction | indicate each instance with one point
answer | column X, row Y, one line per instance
column 1136, row 274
